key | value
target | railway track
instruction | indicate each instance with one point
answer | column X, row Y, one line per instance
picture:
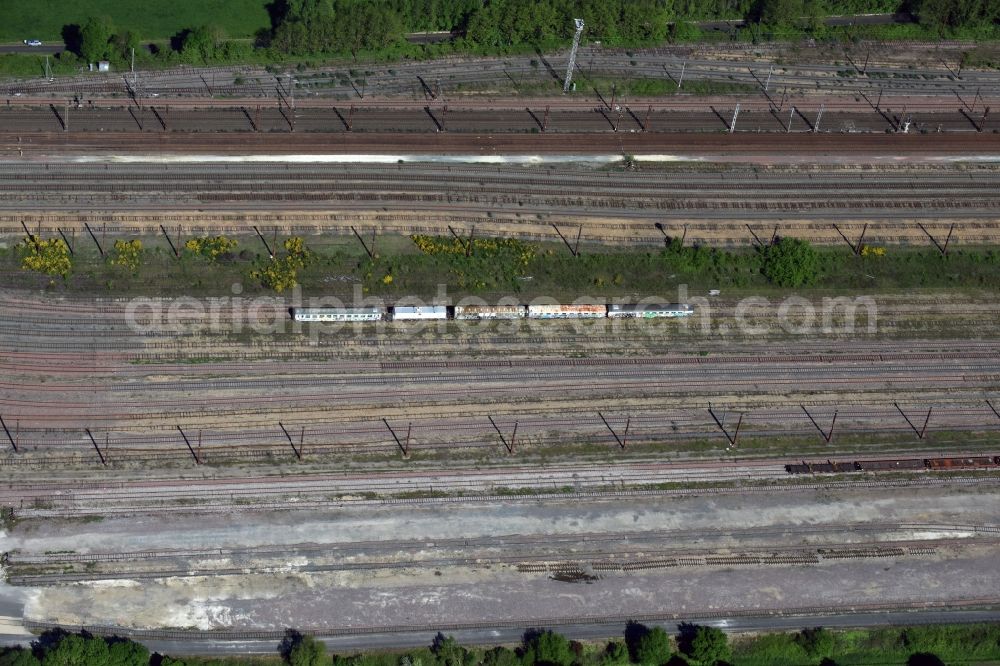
column 794, row 147
column 602, row 561
column 709, row 118
column 133, row 504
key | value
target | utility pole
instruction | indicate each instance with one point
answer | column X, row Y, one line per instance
column 819, row 116
column 680, row 81
column 578, row 23
column 732, row 124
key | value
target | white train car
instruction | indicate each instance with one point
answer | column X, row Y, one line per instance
column 567, row 311
column 406, row 313
column 472, row 312
column 338, row 314
column 651, row 311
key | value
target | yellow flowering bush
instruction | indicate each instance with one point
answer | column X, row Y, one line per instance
column 127, row 254
column 210, row 247
column 281, row 273
column 50, row 257
column 489, row 262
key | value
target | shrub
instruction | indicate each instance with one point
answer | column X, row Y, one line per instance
column 547, row 647
column 790, row 262
column 210, row 247
column 817, row 643
column 50, row 257
column 705, row 645
column 281, row 273
column 654, row 647
column 127, row 254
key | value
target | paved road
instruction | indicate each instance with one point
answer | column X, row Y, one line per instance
column 44, row 49
column 831, row 21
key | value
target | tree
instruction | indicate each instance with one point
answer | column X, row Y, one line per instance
column 654, row 647
column 777, row 12
column 308, row 652
column 298, row 649
column 705, row 645
column 817, row 643
column 615, row 654
column 790, row 262
column 18, row 656
column 201, row 44
column 95, row 37
column 501, row 656
column 546, row 648
column 924, row 659
column 77, row 650
column 448, row 652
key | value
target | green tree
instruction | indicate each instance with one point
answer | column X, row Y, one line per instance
column 297, row 649
column 654, row 647
column 122, row 44
column 615, row 654
column 707, row 646
column 501, row 656
column 448, row 652
column 777, row 12
column 77, row 650
column 307, row 652
column 202, row 44
column 817, row 643
column 790, row 262
column 95, row 38
column 924, row 659
column 643, row 21
column 546, row 648
column 18, row 656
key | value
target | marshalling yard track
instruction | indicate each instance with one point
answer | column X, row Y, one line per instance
column 483, row 471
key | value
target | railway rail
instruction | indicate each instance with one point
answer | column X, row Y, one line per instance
column 631, row 208
column 133, row 503
column 624, row 559
column 805, row 612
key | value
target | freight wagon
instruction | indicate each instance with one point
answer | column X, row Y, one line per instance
column 891, row 465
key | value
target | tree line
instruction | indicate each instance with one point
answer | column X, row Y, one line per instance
column 313, row 26
column 330, row 27
column 693, row 645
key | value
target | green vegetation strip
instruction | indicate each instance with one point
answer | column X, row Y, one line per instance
column 257, row 31
column 693, row 645
column 491, row 268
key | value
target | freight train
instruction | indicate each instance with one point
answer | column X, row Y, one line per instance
column 937, row 464
column 483, row 312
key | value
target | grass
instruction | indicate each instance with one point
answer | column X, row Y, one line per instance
column 340, row 268
column 151, row 19
column 954, row 644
